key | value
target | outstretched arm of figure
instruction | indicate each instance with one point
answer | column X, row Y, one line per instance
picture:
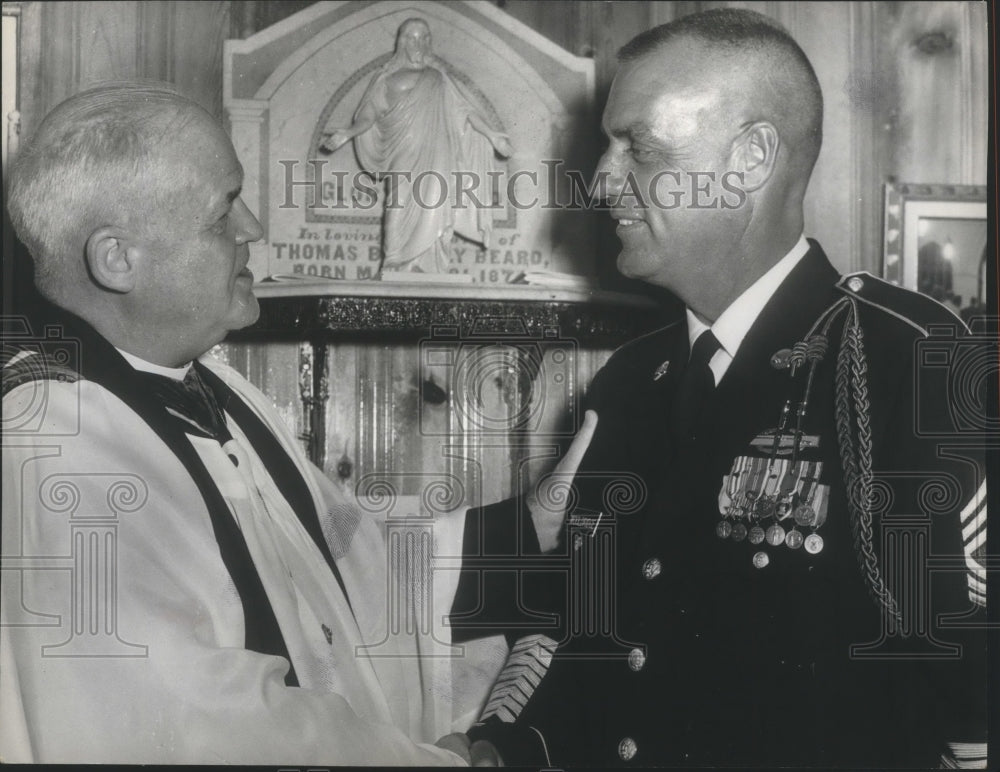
column 338, row 137
column 500, row 142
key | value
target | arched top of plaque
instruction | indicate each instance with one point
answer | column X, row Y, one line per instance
column 292, row 84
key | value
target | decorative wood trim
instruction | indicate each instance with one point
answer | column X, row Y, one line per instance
column 865, row 203
column 966, row 117
column 892, row 242
column 973, row 119
column 339, row 318
column 76, row 48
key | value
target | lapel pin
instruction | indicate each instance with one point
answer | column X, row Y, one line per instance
column 661, row 370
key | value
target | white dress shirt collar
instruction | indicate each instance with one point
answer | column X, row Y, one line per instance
column 735, row 322
column 177, row 373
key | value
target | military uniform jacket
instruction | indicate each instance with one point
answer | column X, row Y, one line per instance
column 674, row 647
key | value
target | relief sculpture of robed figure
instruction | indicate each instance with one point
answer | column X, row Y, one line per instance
column 420, row 128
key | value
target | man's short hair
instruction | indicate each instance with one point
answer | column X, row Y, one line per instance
column 89, row 163
column 741, row 31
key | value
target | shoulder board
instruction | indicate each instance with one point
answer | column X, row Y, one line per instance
column 27, row 366
column 912, row 308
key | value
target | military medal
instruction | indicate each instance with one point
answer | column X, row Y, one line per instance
column 759, row 490
column 750, row 494
column 790, row 483
column 819, row 505
column 729, row 497
column 804, row 516
column 767, row 499
column 756, row 481
column 764, row 507
column 814, row 543
column 783, row 506
column 772, row 485
column 775, row 535
column 725, row 497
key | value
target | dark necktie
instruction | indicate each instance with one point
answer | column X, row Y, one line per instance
column 694, row 387
column 193, row 401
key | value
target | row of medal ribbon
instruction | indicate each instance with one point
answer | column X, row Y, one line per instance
column 769, row 494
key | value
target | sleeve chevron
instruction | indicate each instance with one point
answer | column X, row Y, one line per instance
column 973, row 523
column 527, row 664
column 964, row 756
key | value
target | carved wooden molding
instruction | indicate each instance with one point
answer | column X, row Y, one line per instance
column 333, row 317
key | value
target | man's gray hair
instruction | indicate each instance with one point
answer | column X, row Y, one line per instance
column 89, row 163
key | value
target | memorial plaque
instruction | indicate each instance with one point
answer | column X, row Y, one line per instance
column 474, row 165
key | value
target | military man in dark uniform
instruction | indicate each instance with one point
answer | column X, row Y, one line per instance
column 792, row 580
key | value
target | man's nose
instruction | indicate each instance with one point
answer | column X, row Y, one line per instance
column 248, row 227
column 608, row 177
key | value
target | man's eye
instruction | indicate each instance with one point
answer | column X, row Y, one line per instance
column 640, row 153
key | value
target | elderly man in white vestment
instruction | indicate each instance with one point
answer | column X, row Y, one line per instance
column 179, row 584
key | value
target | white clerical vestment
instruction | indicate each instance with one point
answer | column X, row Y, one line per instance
column 123, row 637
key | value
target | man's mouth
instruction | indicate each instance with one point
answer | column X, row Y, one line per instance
column 246, row 273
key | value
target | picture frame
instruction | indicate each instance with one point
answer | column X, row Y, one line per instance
column 935, row 242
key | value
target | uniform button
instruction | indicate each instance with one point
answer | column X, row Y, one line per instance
column 627, row 749
column 855, row 283
column 636, row 659
column 651, row 568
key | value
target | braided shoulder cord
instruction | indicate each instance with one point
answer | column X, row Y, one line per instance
column 827, row 317
column 855, row 441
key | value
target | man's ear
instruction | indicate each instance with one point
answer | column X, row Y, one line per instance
column 755, row 154
column 112, row 259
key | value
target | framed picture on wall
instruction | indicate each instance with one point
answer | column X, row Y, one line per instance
column 935, row 242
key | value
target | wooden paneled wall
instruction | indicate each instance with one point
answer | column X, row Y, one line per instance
column 66, row 46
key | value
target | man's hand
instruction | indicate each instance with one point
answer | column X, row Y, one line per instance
column 501, row 144
column 334, row 140
column 485, row 754
column 547, row 501
column 457, row 743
